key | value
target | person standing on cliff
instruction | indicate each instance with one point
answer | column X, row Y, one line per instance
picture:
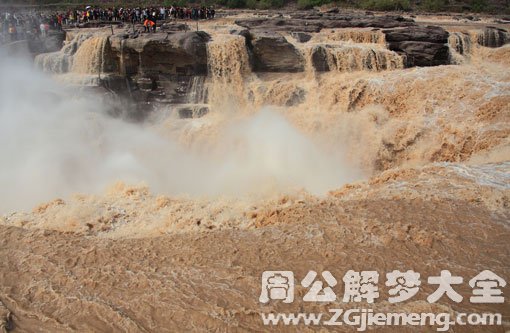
column 153, row 19
column 43, row 29
column 149, row 25
column 12, row 32
column 146, row 25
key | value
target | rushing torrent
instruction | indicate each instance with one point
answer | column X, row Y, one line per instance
column 251, row 149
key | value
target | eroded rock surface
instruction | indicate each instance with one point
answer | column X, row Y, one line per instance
column 273, row 53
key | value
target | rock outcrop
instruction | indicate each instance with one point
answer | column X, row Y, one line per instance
column 422, row 46
column 301, row 36
column 148, row 69
column 493, row 37
column 303, row 22
column 273, row 53
column 179, row 53
column 161, row 67
column 320, row 59
column 431, row 34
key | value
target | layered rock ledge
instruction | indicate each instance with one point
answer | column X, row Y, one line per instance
column 171, row 65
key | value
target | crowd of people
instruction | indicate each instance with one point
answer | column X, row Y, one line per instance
column 139, row 14
column 18, row 25
column 21, row 25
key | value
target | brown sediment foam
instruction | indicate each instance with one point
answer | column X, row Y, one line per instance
column 498, row 56
column 406, row 117
column 364, row 36
column 356, row 58
column 212, row 279
column 127, row 211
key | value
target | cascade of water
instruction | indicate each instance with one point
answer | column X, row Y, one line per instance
column 61, row 61
column 460, row 47
column 460, row 42
column 365, row 36
column 55, row 62
column 489, row 37
column 228, row 67
column 197, row 92
column 349, row 57
column 90, row 59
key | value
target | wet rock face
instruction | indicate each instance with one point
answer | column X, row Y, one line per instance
column 301, row 36
column 158, row 68
column 493, row 37
column 424, row 53
column 320, row 59
column 422, row 46
column 273, row 53
column 429, row 34
column 192, row 112
column 460, row 42
column 182, row 53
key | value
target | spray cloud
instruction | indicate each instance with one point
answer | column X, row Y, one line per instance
column 57, row 141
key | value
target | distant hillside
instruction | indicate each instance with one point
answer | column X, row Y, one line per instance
column 485, row 6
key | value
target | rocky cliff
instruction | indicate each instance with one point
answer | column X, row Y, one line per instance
column 174, row 64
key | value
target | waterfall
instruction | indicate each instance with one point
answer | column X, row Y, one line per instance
column 349, row 58
column 84, row 54
column 490, row 37
column 197, row 92
column 228, row 58
column 196, row 98
column 460, row 42
column 54, row 62
column 228, row 66
column 90, row 57
column 365, row 36
column 466, row 44
column 460, row 47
